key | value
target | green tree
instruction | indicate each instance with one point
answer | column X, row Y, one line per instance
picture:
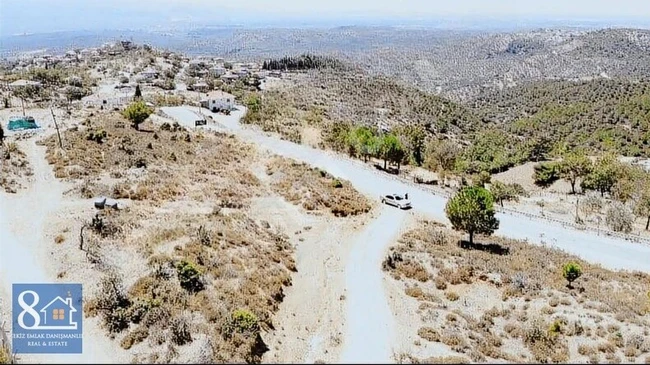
column 539, row 148
column 390, row 149
column 74, row 93
column 137, row 112
column 546, row 173
column 413, row 140
column 604, row 175
column 502, row 192
column 472, row 210
column 138, row 93
column 571, row 271
column 362, row 142
column 442, row 155
column 575, row 165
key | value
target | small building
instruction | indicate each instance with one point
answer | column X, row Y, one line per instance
column 217, row 71
column 229, row 77
column 218, row 100
column 201, row 86
column 149, row 74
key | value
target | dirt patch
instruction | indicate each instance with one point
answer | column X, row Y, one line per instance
column 511, row 303
column 315, row 189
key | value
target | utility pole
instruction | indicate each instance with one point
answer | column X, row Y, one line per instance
column 22, row 102
column 58, row 134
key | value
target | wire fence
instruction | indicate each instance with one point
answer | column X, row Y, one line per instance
column 437, row 190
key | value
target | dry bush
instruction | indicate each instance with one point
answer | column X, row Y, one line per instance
column 156, row 165
column 586, row 350
column 134, row 337
column 412, row 270
column 452, row 296
column 14, row 167
column 429, row 334
column 315, row 189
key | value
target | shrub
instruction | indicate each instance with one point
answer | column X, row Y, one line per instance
column 189, row 276
column 180, row 330
column 452, row 296
column 546, row 173
column 429, row 334
column 243, row 321
column 134, row 337
column 619, row 218
column 571, row 271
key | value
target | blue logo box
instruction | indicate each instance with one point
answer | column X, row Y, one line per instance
column 47, row 318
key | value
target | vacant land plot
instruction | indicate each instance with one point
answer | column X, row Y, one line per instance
column 503, row 300
column 182, row 273
column 315, row 189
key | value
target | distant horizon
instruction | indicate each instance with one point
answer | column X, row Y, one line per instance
column 47, row 16
column 469, row 22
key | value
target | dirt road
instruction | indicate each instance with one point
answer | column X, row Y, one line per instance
column 370, row 328
column 610, row 252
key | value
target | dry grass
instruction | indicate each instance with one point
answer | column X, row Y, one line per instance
column 207, row 272
column 14, row 167
column 606, row 313
column 157, row 164
column 315, row 189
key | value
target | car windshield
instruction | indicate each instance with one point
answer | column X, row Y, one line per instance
column 397, row 197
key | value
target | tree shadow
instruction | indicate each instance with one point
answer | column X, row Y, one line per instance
column 492, row 248
column 390, row 170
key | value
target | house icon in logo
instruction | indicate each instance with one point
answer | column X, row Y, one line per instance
column 57, row 314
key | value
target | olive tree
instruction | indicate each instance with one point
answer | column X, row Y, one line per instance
column 471, row 210
column 574, row 166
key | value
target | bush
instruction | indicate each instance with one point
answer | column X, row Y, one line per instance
column 571, row 271
column 189, row 276
column 180, row 331
column 619, row 218
column 546, row 173
column 244, row 321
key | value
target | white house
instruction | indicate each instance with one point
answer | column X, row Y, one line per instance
column 149, row 74
column 218, row 100
column 217, row 71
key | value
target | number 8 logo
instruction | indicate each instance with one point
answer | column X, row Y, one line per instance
column 28, row 309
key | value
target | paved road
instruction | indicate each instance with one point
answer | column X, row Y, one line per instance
column 609, row 252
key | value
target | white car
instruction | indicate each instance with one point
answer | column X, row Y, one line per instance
column 396, row 200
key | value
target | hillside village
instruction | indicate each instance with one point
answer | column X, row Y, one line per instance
column 203, row 201
column 106, row 76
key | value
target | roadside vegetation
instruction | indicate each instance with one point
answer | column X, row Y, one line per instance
column 315, row 189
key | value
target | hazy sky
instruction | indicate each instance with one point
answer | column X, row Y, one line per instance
column 43, row 15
